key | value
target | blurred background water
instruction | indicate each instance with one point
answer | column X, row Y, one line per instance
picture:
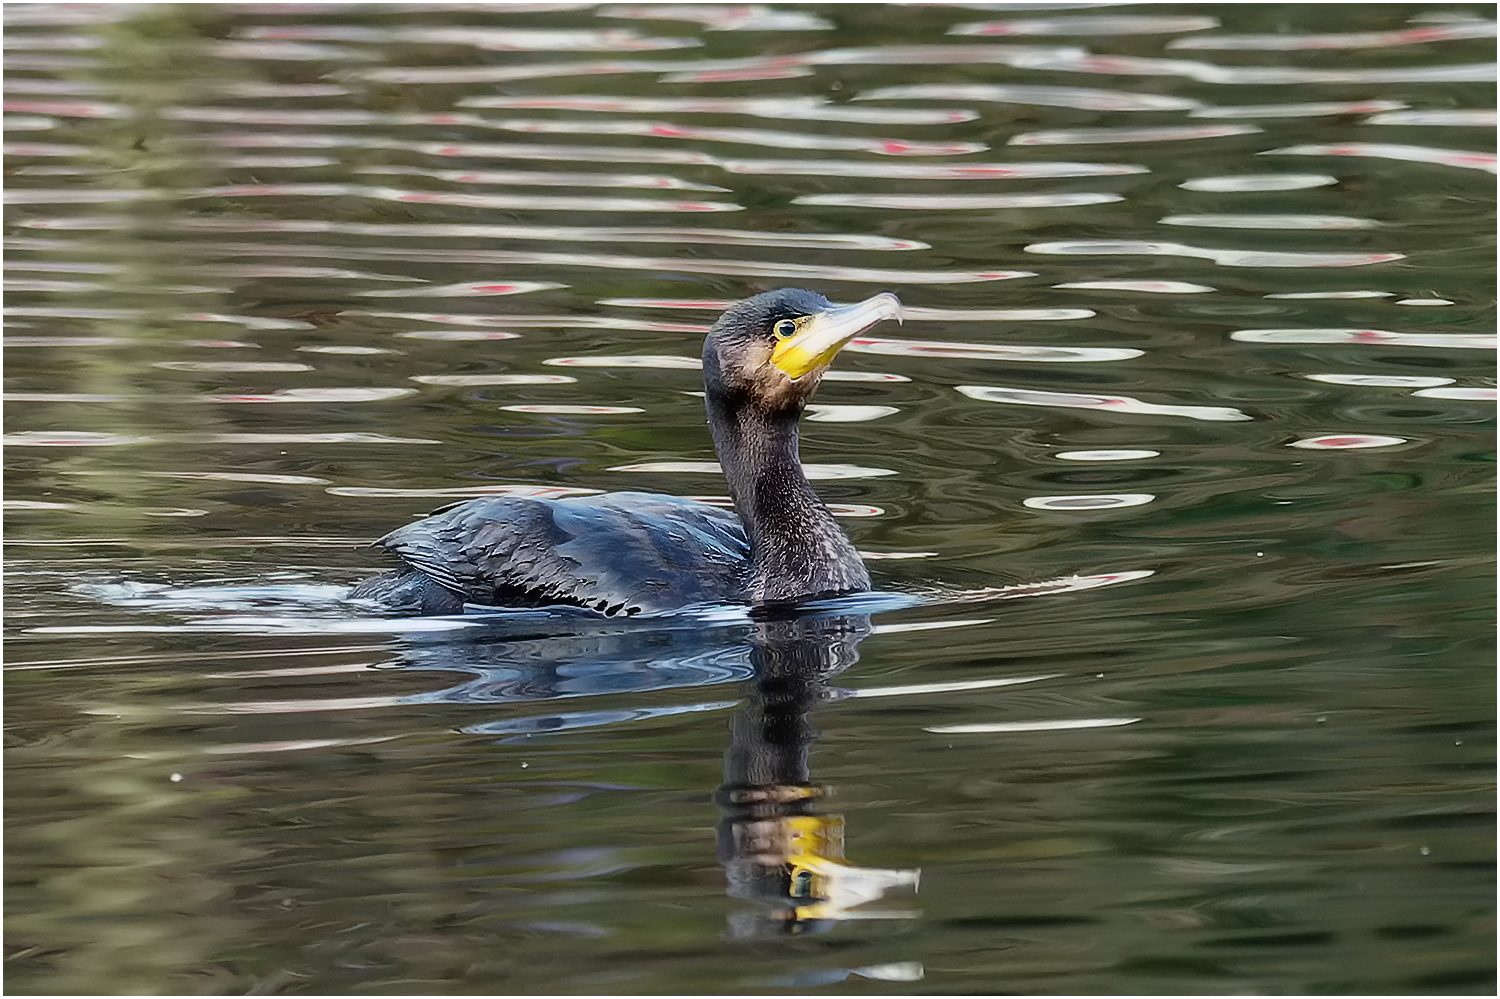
column 1199, row 340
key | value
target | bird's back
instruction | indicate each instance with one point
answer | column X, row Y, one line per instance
column 618, row 553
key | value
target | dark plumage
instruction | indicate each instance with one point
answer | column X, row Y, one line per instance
column 628, row 553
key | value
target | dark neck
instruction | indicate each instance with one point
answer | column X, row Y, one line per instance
column 796, row 547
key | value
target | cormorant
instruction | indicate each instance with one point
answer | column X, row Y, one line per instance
column 628, row 553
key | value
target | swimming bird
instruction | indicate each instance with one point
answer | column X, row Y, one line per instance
column 628, row 552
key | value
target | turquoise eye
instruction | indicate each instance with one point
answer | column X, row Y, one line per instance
column 785, row 328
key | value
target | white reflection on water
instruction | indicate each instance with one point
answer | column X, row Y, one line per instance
column 1353, row 293
column 825, row 412
column 1471, row 394
column 1114, row 454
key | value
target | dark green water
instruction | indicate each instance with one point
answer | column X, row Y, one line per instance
column 1200, row 313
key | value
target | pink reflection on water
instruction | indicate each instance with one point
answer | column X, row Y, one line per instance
column 68, row 109
column 1330, row 442
column 1139, row 24
column 1416, row 154
column 1163, row 133
column 1471, row 341
column 1352, row 40
column 465, row 290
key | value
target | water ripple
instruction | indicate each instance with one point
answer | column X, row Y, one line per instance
column 1340, row 442
column 1160, row 133
column 723, row 17
column 1109, row 403
column 814, row 470
column 1091, row 24
column 1270, row 221
column 988, row 352
column 910, row 313
column 1352, row 40
column 1462, row 158
column 781, row 108
column 958, row 202
column 1226, row 257
column 1309, row 109
column 1092, row 501
column 1083, row 98
column 1471, row 341
column 1150, row 287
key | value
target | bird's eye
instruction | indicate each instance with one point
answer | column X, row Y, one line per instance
column 785, row 328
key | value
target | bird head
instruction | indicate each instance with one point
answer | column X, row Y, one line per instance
column 771, row 350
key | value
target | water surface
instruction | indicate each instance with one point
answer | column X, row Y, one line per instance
column 1176, row 485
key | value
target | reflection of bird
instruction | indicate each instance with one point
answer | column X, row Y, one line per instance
column 776, row 845
column 624, row 553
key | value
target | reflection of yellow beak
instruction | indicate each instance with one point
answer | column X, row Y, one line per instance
column 824, row 334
